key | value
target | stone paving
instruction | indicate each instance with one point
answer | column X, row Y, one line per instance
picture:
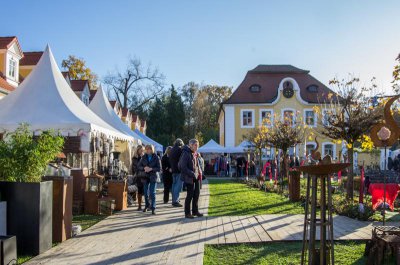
column 132, row 237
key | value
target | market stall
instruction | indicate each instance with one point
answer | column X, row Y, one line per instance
column 147, row 140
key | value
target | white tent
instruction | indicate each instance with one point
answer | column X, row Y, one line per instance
column 45, row 101
column 241, row 148
column 101, row 106
column 147, row 140
column 212, row 147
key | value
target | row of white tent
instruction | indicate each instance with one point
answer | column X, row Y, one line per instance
column 45, row 101
column 215, row 148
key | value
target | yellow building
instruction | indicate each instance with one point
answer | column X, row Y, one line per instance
column 281, row 91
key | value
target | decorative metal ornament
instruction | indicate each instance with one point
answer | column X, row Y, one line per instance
column 389, row 123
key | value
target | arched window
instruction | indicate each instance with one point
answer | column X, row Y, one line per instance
column 255, row 88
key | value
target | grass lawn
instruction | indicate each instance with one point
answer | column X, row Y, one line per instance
column 277, row 253
column 86, row 221
column 229, row 197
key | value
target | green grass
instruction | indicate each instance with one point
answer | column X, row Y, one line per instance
column 86, row 221
column 23, row 259
column 277, row 254
column 390, row 216
column 229, row 197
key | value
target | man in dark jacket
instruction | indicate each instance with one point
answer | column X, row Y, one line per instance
column 174, row 156
column 190, row 173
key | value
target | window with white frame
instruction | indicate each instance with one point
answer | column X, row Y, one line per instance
column 329, row 149
column 266, row 117
column 247, row 117
column 310, row 117
column 289, row 117
column 12, row 66
column 310, row 147
column 326, row 114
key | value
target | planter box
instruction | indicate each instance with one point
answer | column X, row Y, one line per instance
column 294, row 186
column 118, row 190
column 3, row 218
column 8, row 250
column 62, row 207
column 29, row 214
column 79, row 180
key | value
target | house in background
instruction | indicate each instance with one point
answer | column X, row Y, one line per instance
column 10, row 56
column 27, row 63
column 143, row 126
column 115, row 105
column 126, row 117
column 81, row 89
column 283, row 90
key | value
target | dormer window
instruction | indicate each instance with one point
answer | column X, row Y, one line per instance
column 255, row 88
column 312, row 88
column 12, row 66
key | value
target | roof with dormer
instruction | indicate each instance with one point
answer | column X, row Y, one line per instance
column 269, row 77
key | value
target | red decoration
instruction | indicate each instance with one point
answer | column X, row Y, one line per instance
column 376, row 189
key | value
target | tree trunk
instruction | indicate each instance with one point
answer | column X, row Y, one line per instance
column 350, row 175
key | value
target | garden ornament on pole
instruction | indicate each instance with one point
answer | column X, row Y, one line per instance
column 383, row 135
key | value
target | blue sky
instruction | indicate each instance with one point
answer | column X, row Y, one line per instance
column 215, row 42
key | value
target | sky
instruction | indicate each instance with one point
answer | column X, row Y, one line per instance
column 215, row 42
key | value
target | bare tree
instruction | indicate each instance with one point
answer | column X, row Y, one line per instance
column 349, row 117
column 137, row 85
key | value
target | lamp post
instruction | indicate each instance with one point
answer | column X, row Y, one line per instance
column 384, row 135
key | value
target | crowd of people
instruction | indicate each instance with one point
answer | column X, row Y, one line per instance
column 181, row 165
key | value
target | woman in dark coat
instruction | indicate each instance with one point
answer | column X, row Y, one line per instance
column 136, row 179
column 151, row 166
column 167, row 174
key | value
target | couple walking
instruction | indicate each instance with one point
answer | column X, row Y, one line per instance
column 186, row 167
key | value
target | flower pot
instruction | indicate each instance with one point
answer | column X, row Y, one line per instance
column 294, row 186
column 8, row 250
column 3, row 218
column 118, row 190
column 62, row 207
column 29, row 214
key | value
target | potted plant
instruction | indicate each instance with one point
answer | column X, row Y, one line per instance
column 23, row 160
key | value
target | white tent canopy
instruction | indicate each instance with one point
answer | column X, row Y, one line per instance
column 45, row 101
column 212, row 147
column 101, row 106
column 241, row 148
column 147, row 140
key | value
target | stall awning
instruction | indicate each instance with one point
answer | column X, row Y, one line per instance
column 102, row 107
column 147, row 140
column 212, row 147
column 45, row 101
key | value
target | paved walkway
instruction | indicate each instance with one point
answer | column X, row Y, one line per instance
column 131, row 237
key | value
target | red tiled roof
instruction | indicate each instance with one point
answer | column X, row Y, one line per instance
column 30, row 58
column 268, row 77
column 125, row 112
column 5, row 85
column 6, row 42
column 92, row 94
column 65, row 74
column 113, row 102
column 78, row 85
column 134, row 117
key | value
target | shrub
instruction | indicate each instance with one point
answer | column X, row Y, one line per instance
column 24, row 158
column 349, row 208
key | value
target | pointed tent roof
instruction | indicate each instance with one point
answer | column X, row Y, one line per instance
column 147, row 140
column 212, row 147
column 241, row 148
column 102, row 107
column 45, row 101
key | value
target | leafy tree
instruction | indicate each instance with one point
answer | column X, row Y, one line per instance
column 137, row 85
column 78, row 70
column 175, row 114
column 23, row 158
column 349, row 117
column 157, row 120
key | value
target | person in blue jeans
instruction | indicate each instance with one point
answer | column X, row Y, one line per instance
column 150, row 166
column 177, row 183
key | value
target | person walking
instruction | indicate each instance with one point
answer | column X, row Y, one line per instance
column 167, row 174
column 136, row 178
column 174, row 156
column 150, row 165
column 191, row 172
